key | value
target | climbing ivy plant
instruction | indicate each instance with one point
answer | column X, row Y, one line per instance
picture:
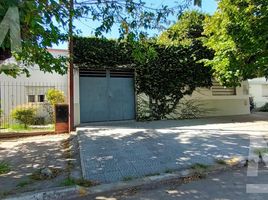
column 99, row 53
column 164, row 73
column 169, row 75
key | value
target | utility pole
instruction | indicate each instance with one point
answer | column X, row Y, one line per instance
column 71, row 68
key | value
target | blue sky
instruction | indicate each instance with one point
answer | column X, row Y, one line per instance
column 87, row 27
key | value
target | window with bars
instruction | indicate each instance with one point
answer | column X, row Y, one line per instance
column 31, row 98
column 41, row 98
column 219, row 90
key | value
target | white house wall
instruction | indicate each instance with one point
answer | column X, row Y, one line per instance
column 258, row 89
column 223, row 105
column 15, row 91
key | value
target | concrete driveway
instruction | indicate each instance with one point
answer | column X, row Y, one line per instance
column 113, row 152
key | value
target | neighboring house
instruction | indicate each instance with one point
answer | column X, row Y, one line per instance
column 109, row 95
column 30, row 91
column 258, row 90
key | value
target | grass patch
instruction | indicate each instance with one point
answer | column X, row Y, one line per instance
column 85, row 183
column 261, row 151
column 152, row 174
column 220, row 162
column 199, row 166
column 5, row 126
column 81, row 182
column 170, row 171
column 128, row 178
column 4, row 167
column 19, row 127
column 68, row 182
column 24, row 183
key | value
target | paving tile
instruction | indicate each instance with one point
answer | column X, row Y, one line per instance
column 97, row 177
column 144, row 170
column 113, row 176
column 128, row 170
column 146, row 148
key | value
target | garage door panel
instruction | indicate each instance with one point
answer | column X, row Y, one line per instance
column 121, row 99
column 106, row 96
column 93, row 99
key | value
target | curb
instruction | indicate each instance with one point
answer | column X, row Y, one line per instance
column 76, row 172
column 57, row 193
column 25, row 134
column 77, row 191
column 80, row 153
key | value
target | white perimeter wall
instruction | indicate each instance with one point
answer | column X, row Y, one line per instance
column 258, row 89
column 223, row 105
column 15, row 91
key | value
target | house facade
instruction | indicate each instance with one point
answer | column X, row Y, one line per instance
column 109, row 95
column 30, row 91
column 258, row 90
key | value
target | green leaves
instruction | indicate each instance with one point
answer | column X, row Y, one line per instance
column 24, row 115
column 55, row 96
column 164, row 73
column 99, row 53
column 188, row 29
column 237, row 32
column 44, row 24
column 39, row 31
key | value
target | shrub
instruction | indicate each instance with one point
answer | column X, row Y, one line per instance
column 55, row 96
column 24, row 115
column 39, row 121
column 4, row 167
column 264, row 108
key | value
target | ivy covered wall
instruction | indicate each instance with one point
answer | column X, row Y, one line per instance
column 165, row 74
column 101, row 53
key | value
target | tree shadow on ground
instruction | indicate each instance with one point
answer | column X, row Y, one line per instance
column 25, row 158
column 111, row 154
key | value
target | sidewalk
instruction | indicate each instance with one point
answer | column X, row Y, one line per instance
column 25, row 156
column 114, row 152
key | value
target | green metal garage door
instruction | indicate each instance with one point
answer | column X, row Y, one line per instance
column 106, row 95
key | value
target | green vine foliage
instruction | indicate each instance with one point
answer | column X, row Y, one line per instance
column 163, row 73
column 101, row 53
column 170, row 75
column 43, row 24
column 238, row 33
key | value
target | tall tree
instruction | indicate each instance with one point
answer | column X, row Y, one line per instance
column 238, row 33
column 45, row 23
column 188, row 30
